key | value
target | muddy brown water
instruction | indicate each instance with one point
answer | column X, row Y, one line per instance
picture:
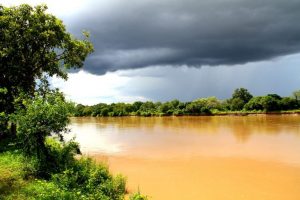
column 210, row 158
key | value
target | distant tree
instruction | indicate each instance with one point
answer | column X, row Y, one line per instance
column 264, row 103
column 33, row 44
column 148, row 106
column 87, row 111
column 296, row 94
column 242, row 94
column 136, row 105
column 165, row 107
column 288, row 103
column 275, row 96
column 79, row 110
column 239, row 98
column 236, row 104
column 254, row 104
column 193, row 108
column 270, row 103
column 104, row 112
column 181, row 105
column 174, row 103
column 203, row 105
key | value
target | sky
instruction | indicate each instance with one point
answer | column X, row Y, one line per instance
column 161, row 50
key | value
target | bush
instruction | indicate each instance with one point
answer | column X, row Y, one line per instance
column 44, row 116
column 288, row 103
column 83, row 179
column 265, row 103
column 92, row 181
column 59, row 157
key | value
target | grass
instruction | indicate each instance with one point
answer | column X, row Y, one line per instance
column 85, row 180
column 12, row 175
column 81, row 178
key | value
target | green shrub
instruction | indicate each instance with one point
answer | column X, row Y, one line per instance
column 91, row 180
column 60, row 155
column 83, row 180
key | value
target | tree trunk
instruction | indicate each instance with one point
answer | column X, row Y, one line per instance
column 13, row 130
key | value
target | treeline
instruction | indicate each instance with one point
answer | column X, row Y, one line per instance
column 241, row 101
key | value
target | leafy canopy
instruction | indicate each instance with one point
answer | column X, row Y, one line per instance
column 33, row 44
column 242, row 94
column 42, row 116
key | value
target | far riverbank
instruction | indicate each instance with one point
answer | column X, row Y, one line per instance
column 217, row 113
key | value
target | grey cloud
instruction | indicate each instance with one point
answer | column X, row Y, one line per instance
column 187, row 84
column 141, row 33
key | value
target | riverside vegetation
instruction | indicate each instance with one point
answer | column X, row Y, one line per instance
column 241, row 102
column 35, row 160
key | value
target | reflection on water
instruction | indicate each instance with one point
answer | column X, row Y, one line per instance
column 263, row 137
column 240, row 150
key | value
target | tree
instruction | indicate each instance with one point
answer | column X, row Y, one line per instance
column 136, row 105
column 296, row 94
column 288, row 103
column 265, row 103
column 242, row 94
column 79, row 110
column 275, row 96
column 254, row 104
column 239, row 98
column 33, row 44
column 41, row 117
column 270, row 103
column 203, row 105
column 236, row 104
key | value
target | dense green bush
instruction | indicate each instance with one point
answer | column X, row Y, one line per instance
column 82, row 179
column 288, row 103
column 39, row 118
column 254, row 104
column 60, row 155
column 271, row 103
column 90, row 180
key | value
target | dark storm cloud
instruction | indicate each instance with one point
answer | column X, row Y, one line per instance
column 141, row 33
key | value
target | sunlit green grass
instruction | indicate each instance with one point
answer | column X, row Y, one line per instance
column 85, row 180
column 11, row 175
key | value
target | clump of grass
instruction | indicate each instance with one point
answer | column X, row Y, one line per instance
column 13, row 172
column 83, row 180
column 138, row 196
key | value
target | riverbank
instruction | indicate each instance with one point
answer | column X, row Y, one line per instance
column 213, row 113
column 245, row 113
column 241, row 103
column 84, row 179
column 18, row 181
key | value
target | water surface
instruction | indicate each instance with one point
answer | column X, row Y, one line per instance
column 219, row 157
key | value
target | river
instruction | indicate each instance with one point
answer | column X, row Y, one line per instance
column 190, row 158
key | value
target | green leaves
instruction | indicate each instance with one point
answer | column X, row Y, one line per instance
column 33, row 44
column 41, row 116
